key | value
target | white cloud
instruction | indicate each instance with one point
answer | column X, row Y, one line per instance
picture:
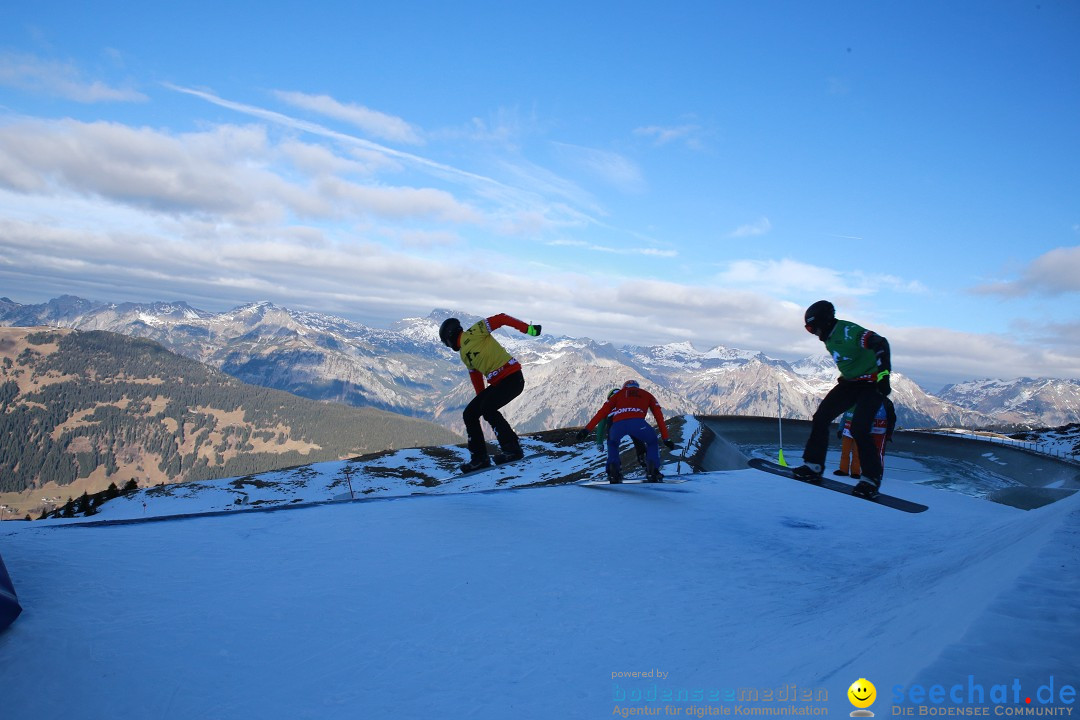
column 759, row 227
column 435, row 168
column 690, row 135
column 610, row 167
column 381, row 125
column 515, row 209
column 785, row 277
column 505, row 128
column 61, row 79
column 786, row 273
column 542, row 182
column 400, row 202
column 316, row 160
column 614, row 250
column 952, row 355
column 424, row 239
column 229, row 172
column 1054, row 273
column 220, row 172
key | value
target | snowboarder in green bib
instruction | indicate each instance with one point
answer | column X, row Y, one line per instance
column 487, row 360
column 863, row 358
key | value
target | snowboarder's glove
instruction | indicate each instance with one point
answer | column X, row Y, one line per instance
column 883, row 382
column 669, row 444
column 582, row 434
column 533, row 330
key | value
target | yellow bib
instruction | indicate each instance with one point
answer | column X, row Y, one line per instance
column 480, row 351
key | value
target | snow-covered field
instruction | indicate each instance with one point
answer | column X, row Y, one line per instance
column 735, row 592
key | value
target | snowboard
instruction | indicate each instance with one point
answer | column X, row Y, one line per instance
column 829, row 484
column 495, row 467
column 605, row 483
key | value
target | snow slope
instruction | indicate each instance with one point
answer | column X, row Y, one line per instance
column 542, row 603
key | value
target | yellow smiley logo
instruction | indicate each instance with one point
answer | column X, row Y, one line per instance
column 862, row 693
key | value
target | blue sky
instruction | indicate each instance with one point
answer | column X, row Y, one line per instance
column 626, row 171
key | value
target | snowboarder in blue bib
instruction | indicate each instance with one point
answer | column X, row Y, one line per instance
column 863, row 358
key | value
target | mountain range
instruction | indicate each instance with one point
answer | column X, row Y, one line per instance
column 406, row 370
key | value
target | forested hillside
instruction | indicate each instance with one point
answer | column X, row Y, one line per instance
column 111, row 408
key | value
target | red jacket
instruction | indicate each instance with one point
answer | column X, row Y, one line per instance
column 628, row 404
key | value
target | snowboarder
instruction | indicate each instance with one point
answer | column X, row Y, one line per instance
column 863, row 358
column 487, row 360
column 627, row 409
column 884, row 422
column 603, row 431
column 849, row 456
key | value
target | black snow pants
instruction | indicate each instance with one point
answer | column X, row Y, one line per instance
column 486, row 405
column 867, row 400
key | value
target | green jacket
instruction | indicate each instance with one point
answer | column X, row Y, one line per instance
column 860, row 354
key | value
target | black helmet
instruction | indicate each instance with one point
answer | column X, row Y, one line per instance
column 449, row 332
column 820, row 318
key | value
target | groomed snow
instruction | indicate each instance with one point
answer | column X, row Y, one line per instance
column 543, row 603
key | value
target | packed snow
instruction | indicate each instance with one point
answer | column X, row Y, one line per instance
column 499, row 595
column 1062, row 442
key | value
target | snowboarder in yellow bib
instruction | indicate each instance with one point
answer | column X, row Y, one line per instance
column 489, row 361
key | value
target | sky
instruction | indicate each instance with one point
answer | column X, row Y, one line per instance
column 624, row 171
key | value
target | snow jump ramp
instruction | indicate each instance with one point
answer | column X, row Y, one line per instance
column 728, row 441
column 9, row 604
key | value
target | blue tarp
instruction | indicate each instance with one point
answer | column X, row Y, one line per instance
column 9, row 604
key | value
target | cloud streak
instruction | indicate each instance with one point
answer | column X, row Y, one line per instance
column 613, row 250
column 608, row 167
column 517, row 210
column 59, row 79
column 381, row 125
